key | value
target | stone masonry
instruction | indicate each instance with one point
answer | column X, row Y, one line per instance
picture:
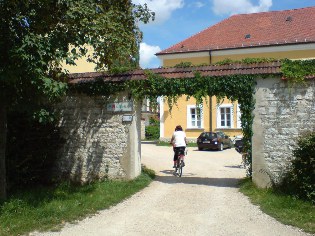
column 98, row 143
column 282, row 114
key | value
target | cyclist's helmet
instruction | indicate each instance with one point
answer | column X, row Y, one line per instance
column 178, row 128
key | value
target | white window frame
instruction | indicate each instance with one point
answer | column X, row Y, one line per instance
column 219, row 116
column 189, row 117
column 238, row 115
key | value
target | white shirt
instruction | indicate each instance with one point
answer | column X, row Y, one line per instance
column 179, row 139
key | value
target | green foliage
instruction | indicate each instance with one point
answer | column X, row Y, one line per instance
column 300, row 178
column 44, row 116
column 154, row 121
column 245, row 61
column 294, row 70
column 152, row 131
column 225, row 62
column 148, row 171
column 99, row 87
column 183, row 64
column 49, row 208
column 34, row 43
column 297, row 70
column 31, row 151
column 257, row 60
column 284, row 208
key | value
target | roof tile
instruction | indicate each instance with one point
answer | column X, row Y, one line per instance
column 265, row 28
column 184, row 72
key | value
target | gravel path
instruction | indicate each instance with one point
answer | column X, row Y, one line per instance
column 205, row 201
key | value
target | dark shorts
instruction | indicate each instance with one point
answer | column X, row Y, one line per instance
column 178, row 151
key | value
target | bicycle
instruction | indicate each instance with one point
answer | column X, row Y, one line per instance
column 180, row 164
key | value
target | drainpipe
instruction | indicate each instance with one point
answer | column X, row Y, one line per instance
column 210, row 97
column 210, row 102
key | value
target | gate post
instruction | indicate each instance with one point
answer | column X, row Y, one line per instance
column 259, row 165
column 133, row 162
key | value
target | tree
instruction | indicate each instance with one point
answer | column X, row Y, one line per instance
column 36, row 36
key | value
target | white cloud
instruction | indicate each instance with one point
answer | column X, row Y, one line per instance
column 162, row 8
column 198, row 4
column 221, row 7
column 147, row 56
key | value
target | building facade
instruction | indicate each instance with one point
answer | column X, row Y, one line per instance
column 277, row 34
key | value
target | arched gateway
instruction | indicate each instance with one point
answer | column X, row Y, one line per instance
column 102, row 133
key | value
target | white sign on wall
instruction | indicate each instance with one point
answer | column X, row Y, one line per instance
column 119, row 106
column 127, row 118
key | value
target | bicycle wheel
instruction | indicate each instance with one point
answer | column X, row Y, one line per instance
column 180, row 169
column 176, row 169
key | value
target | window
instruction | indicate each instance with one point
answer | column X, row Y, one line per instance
column 225, row 116
column 194, row 116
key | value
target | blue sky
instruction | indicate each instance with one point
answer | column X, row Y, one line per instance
column 177, row 20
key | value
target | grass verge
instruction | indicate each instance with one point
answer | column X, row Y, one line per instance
column 284, row 208
column 50, row 208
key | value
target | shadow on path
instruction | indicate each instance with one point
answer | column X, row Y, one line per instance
column 189, row 178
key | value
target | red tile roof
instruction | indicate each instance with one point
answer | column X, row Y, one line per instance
column 265, row 28
column 185, row 72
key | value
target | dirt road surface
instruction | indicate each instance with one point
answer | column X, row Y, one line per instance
column 205, row 201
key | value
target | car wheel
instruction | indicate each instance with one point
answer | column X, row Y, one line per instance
column 200, row 149
column 221, row 147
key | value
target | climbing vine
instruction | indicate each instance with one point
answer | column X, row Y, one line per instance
column 234, row 87
column 297, row 71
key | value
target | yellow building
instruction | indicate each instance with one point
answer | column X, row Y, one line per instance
column 277, row 34
column 82, row 64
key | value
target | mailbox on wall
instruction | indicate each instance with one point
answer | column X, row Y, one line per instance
column 127, row 118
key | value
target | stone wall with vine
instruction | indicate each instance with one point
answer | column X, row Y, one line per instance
column 234, row 87
column 282, row 114
column 97, row 140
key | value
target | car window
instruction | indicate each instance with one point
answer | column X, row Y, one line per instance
column 208, row 135
column 212, row 135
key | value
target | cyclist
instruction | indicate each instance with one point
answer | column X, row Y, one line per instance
column 179, row 143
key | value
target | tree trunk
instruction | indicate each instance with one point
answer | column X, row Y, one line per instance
column 3, row 138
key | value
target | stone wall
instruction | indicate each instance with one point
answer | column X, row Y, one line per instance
column 282, row 114
column 98, row 143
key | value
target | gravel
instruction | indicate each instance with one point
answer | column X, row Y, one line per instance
column 204, row 201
